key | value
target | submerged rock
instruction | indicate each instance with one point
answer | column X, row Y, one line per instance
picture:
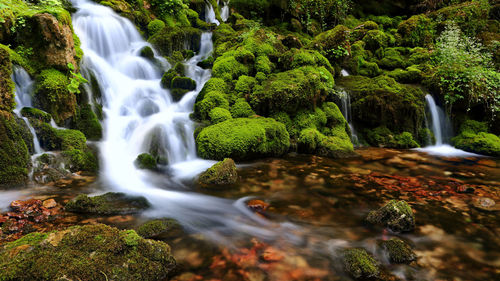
column 485, row 204
column 398, row 251
column 222, row 173
column 396, row 215
column 110, row 203
column 359, row 264
column 158, row 227
column 92, row 252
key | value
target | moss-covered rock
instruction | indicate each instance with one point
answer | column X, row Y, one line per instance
column 376, row 39
column 80, row 160
column 383, row 137
column 170, row 39
column 156, row 228
column 6, row 83
column 147, row 52
column 154, row 26
column 52, row 95
column 396, row 215
column 333, row 39
column 359, row 264
column 110, row 203
column 337, row 146
column 292, row 90
column 92, row 252
column 398, row 250
column 222, row 173
column 415, row 31
column 219, row 114
column 88, row 124
column 481, row 143
column 14, row 156
column 241, row 109
column 210, row 101
column 146, row 161
column 392, row 59
column 471, row 16
column 243, row 138
column 35, row 113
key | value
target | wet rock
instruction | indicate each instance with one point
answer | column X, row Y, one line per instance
column 222, row 173
column 25, row 216
column 398, row 251
column 145, row 161
column 257, row 206
column 157, row 227
column 359, row 264
column 92, row 252
column 110, row 203
column 49, row 203
column 49, row 168
column 396, row 215
column 485, row 204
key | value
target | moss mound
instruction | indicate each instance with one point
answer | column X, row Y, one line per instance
column 110, row 203
column 157, row 227
column 359, row 264
column 243, row 138
column 14, row 156
column 396, row 215
column 222, row 173
column 481, row 143
column 145, row 161
column 93, row 252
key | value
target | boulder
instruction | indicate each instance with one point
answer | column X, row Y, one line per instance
column 359, row 264
column 222, row 173
column 110, row 203
column 398, row 251
column 396, row 215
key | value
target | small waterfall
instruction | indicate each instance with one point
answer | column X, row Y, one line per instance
column 224, row 10
column 345, row 107
column 210, row 14
column 24, row 90
column 344, row 73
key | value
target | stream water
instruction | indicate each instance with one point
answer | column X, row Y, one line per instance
column 314, row 207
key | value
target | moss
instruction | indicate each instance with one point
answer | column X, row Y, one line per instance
column 210, row 101
column 332, row 40
column 289, row 91
column 312, row 141
column 147, row 52
column 244, row 56
column 241, row 109
column 145, row 161
column 392, row 59
column 251, row 8
column 222, row 173
column 6, row 84
column 382, row 101
column 154, row 26
column 297, row 58
column 419, row 55
column 376, row 39
column 383, row 137
column 25, row 133
column 228, row 68
column 399, row 251
column 88, row 124
column 411, row 75
column 14, row 156
column 92, row 252
column 81, row 160
column 170, row 39
column 156, row 227
column 416, row 31
column 396, row 215
column 245, row 85
column 359, row 264
column 35, row 113
column 405, row 140
column 243, row 138
column 181, row 85
column 473, row 126
column 263, row 64
column 71, row 139
column 366, row 68
column 471, row 16
column 52, row 95
column 107, row 204
column 212, row 85
column 482, row 143
column 218, row 115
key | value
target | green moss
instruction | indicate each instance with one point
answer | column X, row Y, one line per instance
column 263, row 64
column 376, row 39
column 210, row 101
column 92, row 252
column 416, row 31
column 297, row 58
column 6, row 84
column 88, row 124
column 241, row 109
column 14, row 156
column 251, row 8
column 291, row 90
column 107, row 204
column 473, row 126
column 405, row 140
column 218, row 115
column 71, row 139
column 471, row 16
column 411, row 75
column 228, row 68
column 212, row 85
column 170, row 39
column 359, row 264
column 147, row 52
column 81, row 160
column 399, row 251
column 182, row 85
column 244, row 56
column 155, row 228
column 383, row 137
column 222, row 173
column 52, row 95
column 154, row 26
column 396, row 215
column 482, row 143
column 419, row 55
column 35, row 113
column 392, row 59
column 332, row 40
column 245, row 85
column 145, row 161
column 243, row 138
column 312, row 141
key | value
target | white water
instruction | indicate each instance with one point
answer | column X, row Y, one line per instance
column 210, row 15
column 345, row 102
column 224, row 10
column 441, row 128
column 24, row 90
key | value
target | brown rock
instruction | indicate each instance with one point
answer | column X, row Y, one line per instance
column 49, row 203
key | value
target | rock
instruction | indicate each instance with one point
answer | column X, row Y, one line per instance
column 485, row 204
column 110, row 203
column 145, row 161
column 222, row 173
column 49, row 203
column 396, row 215
column 157, row 227
column 399, row 251
column 92, row 252
column 359, row 264
column 257, row 206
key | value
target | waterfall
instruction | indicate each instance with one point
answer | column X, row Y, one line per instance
column 224, row 10
column 441, row 128
column 210, row 15
column 24, row 90
column 345, row 107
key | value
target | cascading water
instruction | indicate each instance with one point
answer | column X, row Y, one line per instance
column 345, row 106
column 441, row 128
column 210, row 15
column 224, row 10
column 24, row 89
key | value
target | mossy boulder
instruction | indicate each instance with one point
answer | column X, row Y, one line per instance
column 88, row 124
column 222, row 173
column 242, row 139
column 416, row 31
column 210, row 101
column 228, row 67
column 35, row 113
column 147, row 53
column 474, row 138
column 52, row 95
column 80, row 160
column 170, row 39
column 376, row 39
column 359, row 264
column 14, row 155
column 158, row 227
column 296, row 58
column 396, row 215
column 91, row 252
column 6, row 83
column 219, row 114
column 292, row 90
column 241, row 109
column 110, row 203
column 398, row 251
column 314, row 142
column 383, row 137
column 146, row 161
column 154, row 26
column 333, row 39
column 392, row 59
column 471, row 16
